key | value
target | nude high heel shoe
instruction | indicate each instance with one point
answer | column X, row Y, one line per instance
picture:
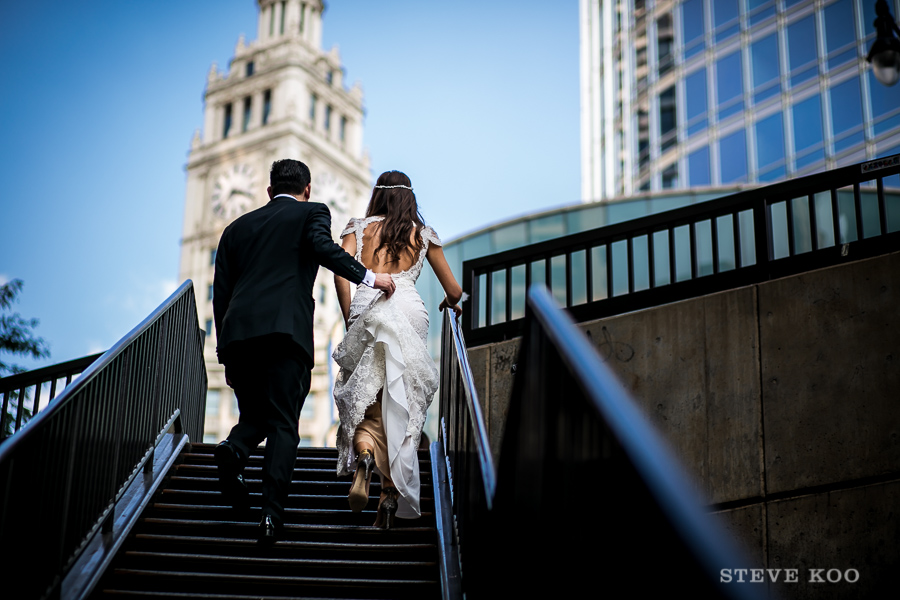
column 359, row 491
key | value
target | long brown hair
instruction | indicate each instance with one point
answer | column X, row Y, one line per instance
column 401, row 215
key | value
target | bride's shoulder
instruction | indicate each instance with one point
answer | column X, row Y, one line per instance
column 352, row 226
column 428, row 233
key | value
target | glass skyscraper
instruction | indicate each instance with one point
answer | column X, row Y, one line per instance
column 694, row 93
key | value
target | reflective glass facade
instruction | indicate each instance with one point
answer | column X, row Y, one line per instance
column 692, row 93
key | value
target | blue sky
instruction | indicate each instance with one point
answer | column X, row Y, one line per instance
column 476, row 101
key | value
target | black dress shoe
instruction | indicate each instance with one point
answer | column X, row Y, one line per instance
column 231, row 482
column 268, row 531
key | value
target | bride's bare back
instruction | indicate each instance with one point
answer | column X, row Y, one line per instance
column 378, row 262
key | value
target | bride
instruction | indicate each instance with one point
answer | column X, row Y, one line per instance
column 387, row 378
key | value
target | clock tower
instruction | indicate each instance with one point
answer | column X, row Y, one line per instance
column 282, row 97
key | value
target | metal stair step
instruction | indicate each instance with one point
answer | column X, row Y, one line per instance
column 187, row 581
column 189, row 544
column 288, row 548
column 274, row 565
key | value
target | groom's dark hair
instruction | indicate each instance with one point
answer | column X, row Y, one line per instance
column 288, row 176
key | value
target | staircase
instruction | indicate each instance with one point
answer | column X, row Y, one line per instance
column 189, row 544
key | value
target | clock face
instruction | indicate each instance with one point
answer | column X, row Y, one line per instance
column 233, row 191
column 329, row 190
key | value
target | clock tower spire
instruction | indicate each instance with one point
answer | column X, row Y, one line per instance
column 281, row 97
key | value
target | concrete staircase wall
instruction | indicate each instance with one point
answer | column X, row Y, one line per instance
column 782, row 401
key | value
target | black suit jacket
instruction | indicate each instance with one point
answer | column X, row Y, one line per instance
column 266, row 265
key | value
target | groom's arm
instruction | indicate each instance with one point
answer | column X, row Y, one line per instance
column 328, row 254
column 336, row 259
column 222, row 287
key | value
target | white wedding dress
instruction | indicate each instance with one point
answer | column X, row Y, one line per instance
column 384, row 347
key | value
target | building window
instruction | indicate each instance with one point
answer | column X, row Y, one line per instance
column 212, row 403
column 343, row 128
column 725, row 11
column 308, row 412
column 312, row 108
column 302, row 16
column 692, row 27
column 698, row 167
column 770, row 142
column 725, row 16
column 248, row 106
column 281, row 24
column 209, row 292
column 249, row 70
column 764, row 68
column 729, row 85
column 227, row 126
column 846, row 108
column 665, row 44
column 209, row 326
column 667, row 118
column 733, row 157
column 808, row 136
column 643, row 123
column 271, row 20
column 670, row 177
column 695, row 94
column 329, row 76
column 802, row 50
column 212, row 256
column 327, row 117
column 267, row 106
column 840, row 31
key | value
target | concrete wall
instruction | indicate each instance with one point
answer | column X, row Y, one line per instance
column 782, row 402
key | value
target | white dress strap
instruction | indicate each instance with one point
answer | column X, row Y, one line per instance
column 350, row 228
column 358, row 228
column 429, row 235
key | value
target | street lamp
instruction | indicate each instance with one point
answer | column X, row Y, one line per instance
column 885, row 51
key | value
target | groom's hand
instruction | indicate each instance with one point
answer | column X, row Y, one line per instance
column 385, row 283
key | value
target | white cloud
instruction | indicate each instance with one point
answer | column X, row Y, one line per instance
column 168, row 286
column 95, row 347
column 4, row 279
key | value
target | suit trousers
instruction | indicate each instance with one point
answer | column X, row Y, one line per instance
column 271, row 380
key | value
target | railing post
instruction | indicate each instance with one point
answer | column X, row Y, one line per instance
column 762, row 240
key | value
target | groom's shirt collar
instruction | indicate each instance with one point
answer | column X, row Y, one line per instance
column 284, row 196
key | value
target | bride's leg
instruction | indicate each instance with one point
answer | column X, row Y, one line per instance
column 369, row 440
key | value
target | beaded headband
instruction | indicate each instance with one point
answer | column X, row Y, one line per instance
column 388, row 187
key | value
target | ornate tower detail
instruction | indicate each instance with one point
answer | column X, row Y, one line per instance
column 282, row 97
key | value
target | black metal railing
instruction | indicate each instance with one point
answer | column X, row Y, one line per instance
column 587, row 496
column 463, row 453
column 749, row 237
column 22, row 393
column 61, row 476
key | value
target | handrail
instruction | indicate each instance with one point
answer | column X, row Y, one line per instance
column 18, row 387
column 61, row 476
column 580, row 464
column 746, row 238
column 465, row 481
column 482, row 442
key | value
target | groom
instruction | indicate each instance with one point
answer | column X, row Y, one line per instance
column 266, row 265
